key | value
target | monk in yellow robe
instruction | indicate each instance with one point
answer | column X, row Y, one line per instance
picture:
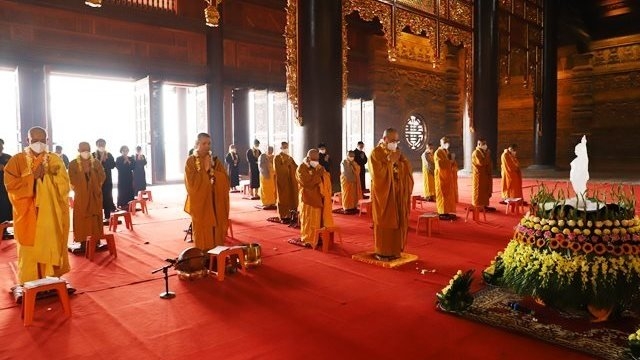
column 86, row 176
column 428, row 168
column 391, row 187
column 267, row 179
column 511, row 174
column 454, row 176
column 481, row 177
column 445, row 195
column 207, row 202
column 350, row 184
column 286, row 183
column 314, row 183
column 38, row 187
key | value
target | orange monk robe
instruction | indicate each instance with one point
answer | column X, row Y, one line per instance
column 267, row 180
column 428, row 167
column 87, row 200
column 286, row 184
column 511, row 176
column 207, row 200
column 315, row 201
column 391, row 187
column 481, row 180
column 40, row 214
column 350, row 184
column 445, row 194
column 454, row 175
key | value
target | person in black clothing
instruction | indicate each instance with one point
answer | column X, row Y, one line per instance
column 361, row 159
column 324, row 157
column 232, row 160
column 125, row 165
column 108, row 163
column 254, row 173
column 64, row 157
column 139, row 173
column 5, row 205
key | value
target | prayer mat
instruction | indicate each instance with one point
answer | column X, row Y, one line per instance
column 298, row 242
column 572, row 329
column 276, row 219
column 369, row 258
column 266, row 207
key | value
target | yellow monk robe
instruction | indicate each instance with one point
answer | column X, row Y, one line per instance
column 315, row 200
column 511, row 176
column 207, row 200
column 40, row 214
column 350, row 184
column 429, row 183
column 391, row 187
column 267, row 180
column 286, row 184
column 87, row 200
column 481, row 179
column 445, row 194
column 454, row 175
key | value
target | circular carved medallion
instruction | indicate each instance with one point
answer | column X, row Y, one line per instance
column 415, row 132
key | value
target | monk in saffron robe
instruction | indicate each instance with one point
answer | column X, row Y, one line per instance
column 315, row 198
column 350, row 187
column 286, row 183
column 445, row 195
column 207, row 202
column 511, row 175
column 428, row 168
column 391, row 187
column 86, row 177
column 38, row 187
column 267, row 179
column 454, row 175
column 481, row 178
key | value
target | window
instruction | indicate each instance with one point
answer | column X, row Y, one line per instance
column 357, row 124
column 270, row 119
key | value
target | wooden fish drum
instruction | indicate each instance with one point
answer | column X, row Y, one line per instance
column 191, row 264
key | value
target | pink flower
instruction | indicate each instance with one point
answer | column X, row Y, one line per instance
column 581, row 238
column 606, row 238
column 547, row 234
column 635, row 237
column 571, row 236
column 594, row 238
column 538, row 233
column 615, row 237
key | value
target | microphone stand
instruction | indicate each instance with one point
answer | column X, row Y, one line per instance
column 166, row 294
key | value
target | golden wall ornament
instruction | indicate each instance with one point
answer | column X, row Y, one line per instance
column 291, row 61
column 345, row 51
column 370, row 10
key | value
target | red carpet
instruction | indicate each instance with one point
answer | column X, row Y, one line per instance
column 300, row 303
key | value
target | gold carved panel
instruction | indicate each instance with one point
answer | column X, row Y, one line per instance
column 428, row 6
column 461, row 12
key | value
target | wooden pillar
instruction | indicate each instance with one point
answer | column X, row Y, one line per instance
column 241, row 131
column 545, row 123
column 32, row 85
column 320, row 72
column 485, row 77
column 454, row 87
column 215, row 89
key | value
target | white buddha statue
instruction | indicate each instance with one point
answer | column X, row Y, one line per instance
column 579, row 174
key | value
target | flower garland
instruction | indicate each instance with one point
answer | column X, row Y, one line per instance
column 30, row 161
column 199, row 165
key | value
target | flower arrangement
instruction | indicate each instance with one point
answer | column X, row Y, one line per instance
column 572, row 257
column 494, row 271
column 634, row 343
column 456, row 296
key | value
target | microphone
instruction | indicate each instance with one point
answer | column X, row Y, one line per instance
column 171, row 261
column 517, row 307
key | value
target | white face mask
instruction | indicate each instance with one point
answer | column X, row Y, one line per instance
column 85, row 155
column 313, row 163
column 513, row 152
column 257, row 147
column 101, row 148
column 233, row 150
column 285, row 151
column 360, row 148
column 483, row 147
column 445, row 146
column 38, row 147
column 323, row 151
column 392, row 146
column 351, row 158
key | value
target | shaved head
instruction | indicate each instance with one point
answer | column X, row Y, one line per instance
column 313, row 155
column 390, row 135
column 270, row 150
column 37, row 134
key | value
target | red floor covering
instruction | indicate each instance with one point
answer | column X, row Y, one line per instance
column 300, row 304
